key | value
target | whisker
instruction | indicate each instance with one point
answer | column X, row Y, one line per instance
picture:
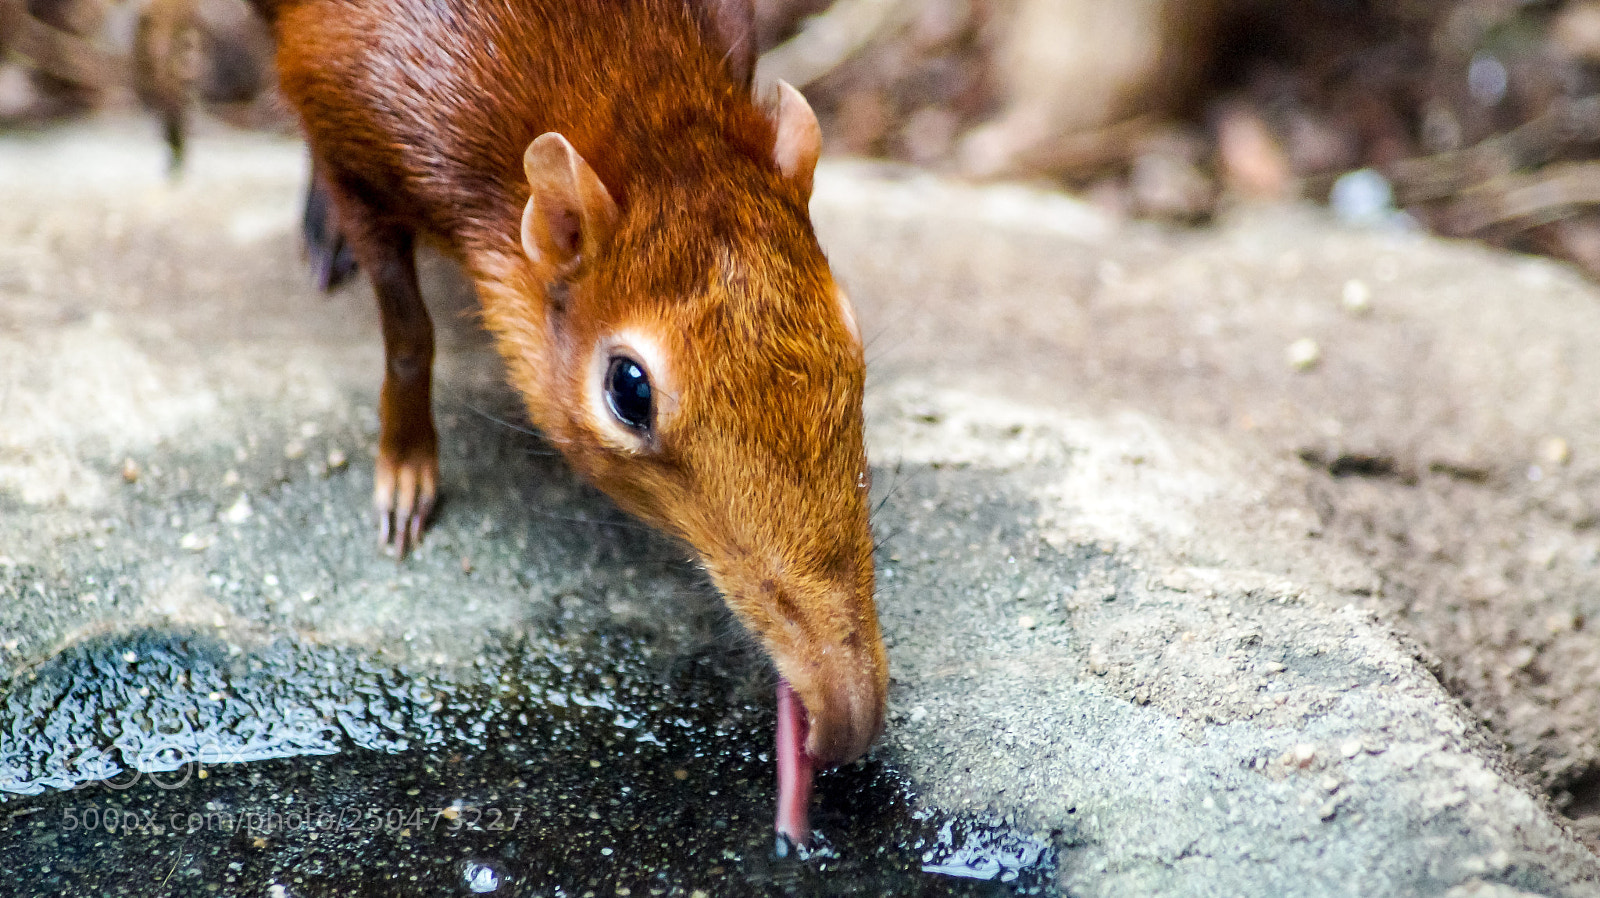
column 885, row 540
column 537, row 435
column 527, row 431
column 874, row 347
column 894, row 486
column 569, row 519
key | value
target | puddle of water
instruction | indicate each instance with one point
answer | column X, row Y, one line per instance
column 557, row 772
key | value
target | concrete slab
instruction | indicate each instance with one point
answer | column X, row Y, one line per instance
column 1131, row 607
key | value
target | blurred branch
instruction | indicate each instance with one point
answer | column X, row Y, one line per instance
column 12, row 12
column 829, row 40
column 57, row 53
column 1568, row 124
column 1526, row 201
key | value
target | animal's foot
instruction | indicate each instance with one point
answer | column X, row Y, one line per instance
column 404, row 491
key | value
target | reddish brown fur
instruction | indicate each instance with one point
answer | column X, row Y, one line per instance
column 419, row 112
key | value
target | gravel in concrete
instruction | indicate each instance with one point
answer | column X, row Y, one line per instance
column 1160, row 584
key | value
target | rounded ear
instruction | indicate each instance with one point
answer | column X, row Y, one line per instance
column 570, row 215
column 799, row 140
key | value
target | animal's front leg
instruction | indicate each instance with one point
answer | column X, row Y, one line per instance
column 405, row 484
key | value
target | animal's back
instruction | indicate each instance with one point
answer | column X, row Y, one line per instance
column 426, row 106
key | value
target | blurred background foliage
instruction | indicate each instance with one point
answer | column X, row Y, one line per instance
column 1470, row 118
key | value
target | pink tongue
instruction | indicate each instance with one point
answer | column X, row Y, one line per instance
column 794, row 770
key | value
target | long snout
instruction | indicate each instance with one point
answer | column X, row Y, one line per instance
column 843, row 687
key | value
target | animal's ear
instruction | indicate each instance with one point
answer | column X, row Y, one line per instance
column 799, row 140
column 733, row 25
column 570, row 214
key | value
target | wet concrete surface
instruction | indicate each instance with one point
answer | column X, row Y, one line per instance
column 568, row 770
column 1125, row 658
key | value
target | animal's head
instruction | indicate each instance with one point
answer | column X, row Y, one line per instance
column 700, row 365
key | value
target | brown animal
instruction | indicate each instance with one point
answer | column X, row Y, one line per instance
column 638, row 233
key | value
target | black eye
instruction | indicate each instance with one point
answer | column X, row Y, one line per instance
column 628, row 392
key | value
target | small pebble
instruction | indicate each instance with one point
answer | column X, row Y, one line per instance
column 918, row 714
column 1351, row 748
column 294, row 450
column 337, row 460
column 1027, row 622
column 1098, row 665
column 1555, row 451
column 1303, row 354
column 239, row 512
column 1357, row 297
column 1362, row 197
column 1561, row 622
column 1303, row 754
column 130, row 471
column 481, row 878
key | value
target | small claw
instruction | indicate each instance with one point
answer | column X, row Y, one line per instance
column 383, row 502
column 411, row 538
column 404, row 494
column 419, row 519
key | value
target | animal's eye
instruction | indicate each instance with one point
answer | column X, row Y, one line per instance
column 628, row 392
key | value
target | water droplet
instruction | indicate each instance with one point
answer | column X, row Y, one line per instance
column 481, row 878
